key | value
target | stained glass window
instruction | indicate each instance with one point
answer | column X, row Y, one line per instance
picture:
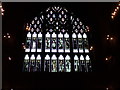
column 86, row 47
column 57, row 41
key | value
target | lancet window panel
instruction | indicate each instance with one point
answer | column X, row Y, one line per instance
column 68, row 63
column 28, row 42
column 38, row 63
column 47, row 42
column 67, row 42
column 39, row 42
column 54, row 43
column 88, row 63
column 60, row 43
column 47, row 63
column 54, row 63
column 76, row 63
column 86, row 46
column 61, row 63
column 32, row 63
column 75, row 43
column 82, row 64
column 26, row 63
column 34, row 42
column 80, row 43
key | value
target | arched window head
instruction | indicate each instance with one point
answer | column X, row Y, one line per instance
column 32, row 57
column 29, row 35
column 60, row 35
column 74, row 35
column 61, row 57
column 39, row 35
column 66, row 35
column 34, row 35
column 54, row 57
column 38, row 57
column 81, row 57
column 54, row 35
column 84, row 35
column 67, row 57
column 26, row 57
column 76, row 57
column 79, row 35
column 47, row 57
column 47, row 35
column 87, row 57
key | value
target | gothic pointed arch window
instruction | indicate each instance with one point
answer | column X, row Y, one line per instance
column 57, row 41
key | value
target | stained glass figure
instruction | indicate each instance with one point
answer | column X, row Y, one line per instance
column 88, row 63
column 74, row 39
column 32, row 63
column 60, row 43
column 38, row 63
column 61, row 63
column 82, row 64
column 28, row 43
column 54, row 64
column 67, row 63
column 67, row 42
column 47, row 42
column 47, row 63
column 26, row 63
column 39, row 43
column 54, row 43
column 80, row 43
column 34, row 42
column 76, row 63
column 59, row 34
